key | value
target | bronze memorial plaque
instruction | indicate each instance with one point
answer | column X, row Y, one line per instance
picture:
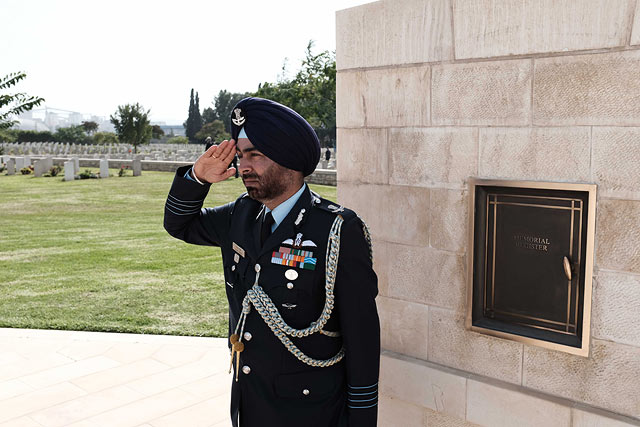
column 530, row 273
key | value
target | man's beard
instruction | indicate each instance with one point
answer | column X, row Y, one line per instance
column 272, row 183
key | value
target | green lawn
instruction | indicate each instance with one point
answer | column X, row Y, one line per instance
column 93, row 255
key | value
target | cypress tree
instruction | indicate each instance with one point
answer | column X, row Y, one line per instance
column 189, row 124
column 197, row 116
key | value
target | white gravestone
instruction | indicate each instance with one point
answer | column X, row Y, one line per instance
column 48, row 162
column 27, row 161
column 76, row 164
column 11, row 167
column 40, row 168
column 104, row 168
column 68, row 171
column 19, row 163
column 137, row 167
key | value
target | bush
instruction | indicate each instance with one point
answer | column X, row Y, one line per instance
column 72, row 134
column 123, row 170
column 33, row 136
column 54, row 171
column 105, row 138
column 87, row 174
column 178, row 140
column 7, row 136
column 26, row 170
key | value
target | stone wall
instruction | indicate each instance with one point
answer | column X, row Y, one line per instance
column 433, row 92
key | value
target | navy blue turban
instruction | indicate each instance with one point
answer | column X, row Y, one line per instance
column 278, row 132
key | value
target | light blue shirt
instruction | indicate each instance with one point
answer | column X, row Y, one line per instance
column 282, row 210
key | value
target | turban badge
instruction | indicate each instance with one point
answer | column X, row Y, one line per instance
column 239, row 120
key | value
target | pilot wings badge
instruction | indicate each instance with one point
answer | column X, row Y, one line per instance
column 239, row 120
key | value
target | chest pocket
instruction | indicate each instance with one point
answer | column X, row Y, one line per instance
column 235, row 271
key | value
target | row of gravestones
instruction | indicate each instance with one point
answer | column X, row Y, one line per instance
column 71, row 167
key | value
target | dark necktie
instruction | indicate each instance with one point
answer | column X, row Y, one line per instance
column 265, row 231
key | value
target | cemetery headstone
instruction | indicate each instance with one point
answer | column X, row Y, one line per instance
column 19, row 163
column 137, row 167
column 48, row 162
column 104, row 168
column 76, row 164
column 40, row 167
column 11, row 167
column 68, row 171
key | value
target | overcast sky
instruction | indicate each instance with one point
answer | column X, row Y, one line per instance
column 91, row 56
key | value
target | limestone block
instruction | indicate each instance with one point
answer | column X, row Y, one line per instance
column 635, row 34
column 394, row 214
column 397, row 96
column 350, row 102
column 395, row 412
column 437, row 419
column 450, row 344
column 482, row 93
column 403, row 327
column 494, row 406
column 422, row 385
column 432, row 156
column 449, row 219
column 616, row 156
column 417, row 31
column 607, row 379
column 427, row 276
column 615, row 308
column 598, row 89
column 617, row 235
column 550, row 154
column 360, row 36
column 363, row 155
column 589, row 419
column 486, row 28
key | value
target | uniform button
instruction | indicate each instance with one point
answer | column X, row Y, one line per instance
column 246, row 370
column 305, row 392
column 289, row 285
column 247, row 336
column 233, row 268
column 257, row 268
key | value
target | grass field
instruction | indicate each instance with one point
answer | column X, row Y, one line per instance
column 93, row 255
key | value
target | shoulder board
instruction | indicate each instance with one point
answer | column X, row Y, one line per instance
column 242, row 199
column 332, row 207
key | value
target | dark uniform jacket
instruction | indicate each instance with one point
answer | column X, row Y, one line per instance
column 275, row 388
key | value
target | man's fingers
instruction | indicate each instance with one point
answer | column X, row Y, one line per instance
column 230, row 172
column 210, row 151
column 229, row 147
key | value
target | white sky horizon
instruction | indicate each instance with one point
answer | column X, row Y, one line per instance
column 90, row 56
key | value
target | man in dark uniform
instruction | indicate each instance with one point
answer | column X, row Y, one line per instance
column 304, row 329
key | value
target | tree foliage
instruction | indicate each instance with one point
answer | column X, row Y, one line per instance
column 156, row 132
column 312, row 92
column 72, row 134
column 14, row 103
column 215, row 130
column 132, row 125
column 105, row 138
column 194, row 121
column 90, row 127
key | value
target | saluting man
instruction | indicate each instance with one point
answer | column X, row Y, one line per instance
column 303, row 324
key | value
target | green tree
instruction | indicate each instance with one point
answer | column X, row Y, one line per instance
column 132, row 125
column 105, row 138
column 14, row 103
column 312, row 92
column 194, row 119
column 156, row 132
column 215, row 130
column 90, row 127
column 178, row 140
column 72, row 134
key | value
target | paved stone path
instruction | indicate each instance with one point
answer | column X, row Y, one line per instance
column 96, row 379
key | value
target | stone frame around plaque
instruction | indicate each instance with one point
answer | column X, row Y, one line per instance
column 530, row 262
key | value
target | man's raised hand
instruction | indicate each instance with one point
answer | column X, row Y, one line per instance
column 213, row 165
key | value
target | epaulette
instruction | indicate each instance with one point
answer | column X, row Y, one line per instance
column 238, row 200
column 329, row 206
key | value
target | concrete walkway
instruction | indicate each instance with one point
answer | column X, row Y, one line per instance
column 96, row 379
